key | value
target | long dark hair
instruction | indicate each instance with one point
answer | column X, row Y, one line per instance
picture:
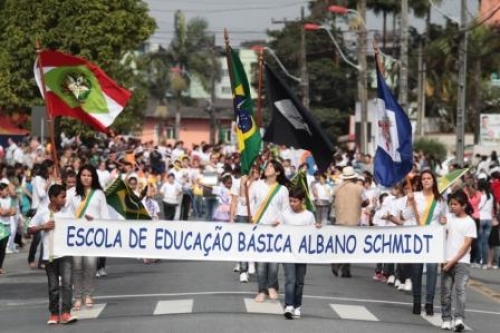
column 461, row 197
column 484, row 186
column 80, row 190
column 435, row 190
column 280, row 178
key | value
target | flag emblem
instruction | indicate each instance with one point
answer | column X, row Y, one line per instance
column 385, row 129
column 243, row 118
column 76, row 85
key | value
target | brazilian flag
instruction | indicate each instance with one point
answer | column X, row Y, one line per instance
column 247, row 132
column 125, row 202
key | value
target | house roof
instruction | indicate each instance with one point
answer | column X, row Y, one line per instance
column 199, row 110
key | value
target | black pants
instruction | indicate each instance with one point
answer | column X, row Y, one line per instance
column 169, row 211
column 35, row 241
column 60, row 267
column 101, row 263
column 3, row 247
column 185, row 206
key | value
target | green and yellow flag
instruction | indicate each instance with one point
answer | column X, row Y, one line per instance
column 247, row 132
column 447, row 180
column 125, row 202
column 300, row 180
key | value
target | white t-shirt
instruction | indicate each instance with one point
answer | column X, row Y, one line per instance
column 39, row 196
column 41, row 217
column 457, row 229
column 5, row 204
column 241, row 210
column 383, row 210
column 303, row 218
column 170, row 193
column 97, row 207
column 486, row 207
column 258, row 192
column 421, row 203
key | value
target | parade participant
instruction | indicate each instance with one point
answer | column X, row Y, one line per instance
column 426, row 207
column 170, row 192
column 268, row 199
column 6, row 212
column 322, row 193
column 485, row 218
column 58, row 269
column 455, row 272
column 223, row 193
column 89, row 202
column 349, row 198
column 295, row 273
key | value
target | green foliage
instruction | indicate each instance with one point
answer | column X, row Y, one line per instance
column 102, row 31
column 430, row 147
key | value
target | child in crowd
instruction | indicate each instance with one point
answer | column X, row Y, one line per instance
column 223, row 193
column 295, row 273
column 455, row 272
column 152, row 207
column 383, row 271
column 58, row 269
column 6, row 212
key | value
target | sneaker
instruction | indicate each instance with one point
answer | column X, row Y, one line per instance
column 408, row 285
column 446, row 326
column 102, row 272
column 391, row 280
column 378, row 277
column 494, row 267
column 459, row 325
column 251, row 268
column 53, row 320
column 397, row 283
column 296, row 313
column 244, row 277
column 236, row 268
column 475, row 265
column 98, row 273
column 68, row 318
column 289, row 312
column 485, row 267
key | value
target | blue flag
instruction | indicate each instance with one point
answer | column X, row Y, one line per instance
column 394, row 155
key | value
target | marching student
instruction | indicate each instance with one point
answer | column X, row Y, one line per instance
column 455, row 272
column 58, row 269
column 295, row 273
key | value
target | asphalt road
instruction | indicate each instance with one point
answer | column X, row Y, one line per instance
column 181, row 296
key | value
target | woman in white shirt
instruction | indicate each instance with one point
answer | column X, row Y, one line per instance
column 485, row 220
column 89, row 202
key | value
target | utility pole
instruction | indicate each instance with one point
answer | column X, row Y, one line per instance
column 462, row 81
column 421, row 93
column 403, row 74
column 304, row 77
column 212, row 93
column 362, row 91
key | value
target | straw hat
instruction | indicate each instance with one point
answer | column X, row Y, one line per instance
column 348, row 173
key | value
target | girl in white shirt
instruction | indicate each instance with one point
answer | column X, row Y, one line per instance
column 485, row 221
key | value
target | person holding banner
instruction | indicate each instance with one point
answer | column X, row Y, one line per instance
column 268, row 199
column 58, row 269
column 295, row 273
column 426, row 207
column 89, row 202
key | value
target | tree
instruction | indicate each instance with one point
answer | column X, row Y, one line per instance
column 105, row 32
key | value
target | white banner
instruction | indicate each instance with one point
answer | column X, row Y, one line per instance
column 247, row 242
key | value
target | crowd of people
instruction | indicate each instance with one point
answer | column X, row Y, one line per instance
column 205, row 183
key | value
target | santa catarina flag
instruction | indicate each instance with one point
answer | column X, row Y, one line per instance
column 394, row 154
column 293, row 125
column 77, row 88
column 247, row 132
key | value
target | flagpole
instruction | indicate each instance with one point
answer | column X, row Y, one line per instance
column 259, row 93
column 231, row 78
column 50, row 119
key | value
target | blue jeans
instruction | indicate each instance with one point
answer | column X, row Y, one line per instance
column 60, row 267
column 430, row 284
column 198, row 206
column 482, row 240
column 211, row 204
column 294, row 283
column 242, row 219
column 267, row 276
column 454, row 281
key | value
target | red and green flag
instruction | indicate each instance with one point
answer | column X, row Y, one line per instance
column 79, row 89
column 247, row 131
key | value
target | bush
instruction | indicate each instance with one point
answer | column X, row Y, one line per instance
column 430, row 147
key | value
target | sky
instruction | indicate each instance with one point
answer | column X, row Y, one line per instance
column 248, row 20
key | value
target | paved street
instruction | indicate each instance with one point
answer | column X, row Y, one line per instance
column 179, row 296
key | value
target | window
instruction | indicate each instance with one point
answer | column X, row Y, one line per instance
column 225, row 90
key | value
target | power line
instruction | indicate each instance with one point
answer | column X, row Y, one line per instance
column 220, row 10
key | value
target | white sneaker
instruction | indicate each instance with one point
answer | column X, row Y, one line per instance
column 446, row 326
column 458, row 325
column 102, row 272
column 408, row 285
column 391, row 280
column 296, row 313
column 289, row 312
column 98, row 273
column 236, row 268
column 251, row 268
column 397, row 283
column 244, row 277
column 8, row 251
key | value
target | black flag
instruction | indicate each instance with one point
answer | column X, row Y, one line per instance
column 292, row 125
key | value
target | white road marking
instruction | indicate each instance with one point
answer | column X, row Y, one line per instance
column 353, row 312
column 174, row 307
column 89, row 313
column 268, row 307
column 437, row 321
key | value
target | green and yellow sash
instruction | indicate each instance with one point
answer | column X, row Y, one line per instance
column 82, row 207
column 429, row 211
column 265, row 204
